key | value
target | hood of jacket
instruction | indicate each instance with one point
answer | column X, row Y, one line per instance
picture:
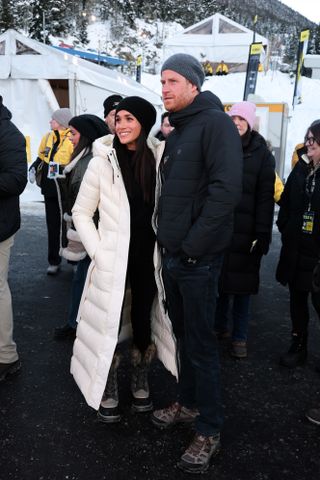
column 203, row 101
column 5, row 114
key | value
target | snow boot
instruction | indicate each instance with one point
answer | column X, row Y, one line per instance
column 108, row 411
column 139, row 380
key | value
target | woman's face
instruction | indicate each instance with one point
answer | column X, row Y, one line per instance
column 74, row 136
column 313, row 147
column 128, row 129
column 241, row 124
column 55, row 125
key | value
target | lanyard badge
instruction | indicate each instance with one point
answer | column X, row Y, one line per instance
column 307, row 222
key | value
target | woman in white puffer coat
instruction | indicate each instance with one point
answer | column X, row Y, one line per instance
column 121, row 183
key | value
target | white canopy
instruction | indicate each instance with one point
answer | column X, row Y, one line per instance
column 216, row 38
column 30, row 73
column 36, row 79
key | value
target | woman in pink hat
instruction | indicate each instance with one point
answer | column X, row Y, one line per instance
column 253, row 221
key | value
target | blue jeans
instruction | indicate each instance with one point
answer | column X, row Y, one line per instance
column 78, row 281
column 239, row 305
column 191, row 292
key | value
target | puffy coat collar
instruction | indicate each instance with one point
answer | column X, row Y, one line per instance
column 202, row 102
column 76, row 159
column 103, row 147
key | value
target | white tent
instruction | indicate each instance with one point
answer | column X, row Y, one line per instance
column 214, row 39
column 36, row 79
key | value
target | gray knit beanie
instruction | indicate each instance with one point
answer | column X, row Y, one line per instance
column 187, row 66
column 62, row 116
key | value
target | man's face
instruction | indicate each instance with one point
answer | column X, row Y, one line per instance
column 177, row 91
column 166, row 128
column 110, row 120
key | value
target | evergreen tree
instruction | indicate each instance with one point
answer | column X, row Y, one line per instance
column 317, row 40
column 36, row 21
column 22, row 14
column 291, row 46
column 82, row 27
column 6, row 17
column 57, row 17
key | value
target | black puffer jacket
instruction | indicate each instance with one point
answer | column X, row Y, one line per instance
column 300, row 251
column 13, row 173
column 202, row 179
column 253, row 218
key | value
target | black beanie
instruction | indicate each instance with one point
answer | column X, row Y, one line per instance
column 140, row 108
column 110, row 103
column 90, row 126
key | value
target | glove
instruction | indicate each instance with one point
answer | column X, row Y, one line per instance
column 262, row 244
column 32, row 175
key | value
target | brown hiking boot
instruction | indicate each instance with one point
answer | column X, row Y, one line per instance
column 196, row 459
column 239, row 350
column 175, row 413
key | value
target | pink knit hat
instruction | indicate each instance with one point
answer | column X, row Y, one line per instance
column 246, row 110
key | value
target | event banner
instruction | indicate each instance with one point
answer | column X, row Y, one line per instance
column 252, row 69
column 302, row 50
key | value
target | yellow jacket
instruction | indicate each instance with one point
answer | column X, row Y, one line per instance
column 295, row 156
column 222, row 67
column 278, row 188
column 64, row 150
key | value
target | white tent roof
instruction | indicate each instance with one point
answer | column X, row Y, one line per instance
column 26, row 69
column 22, row 57
column 215, row 38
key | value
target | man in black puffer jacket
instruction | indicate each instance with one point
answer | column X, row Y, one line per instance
column 201, row 185
column 13, row 179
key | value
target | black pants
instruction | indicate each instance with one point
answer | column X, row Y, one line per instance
column 299, row 309
column 143, row 286
column 53, row 219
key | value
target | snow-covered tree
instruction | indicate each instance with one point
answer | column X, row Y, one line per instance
column 316, row 39
column 6, row 15
column 37, row 21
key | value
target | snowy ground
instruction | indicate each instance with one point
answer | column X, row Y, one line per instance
column 271, row 87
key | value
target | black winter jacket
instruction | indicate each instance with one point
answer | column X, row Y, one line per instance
column 253, row 219
column 13, row 173
column 202, row 179
column 300, row 251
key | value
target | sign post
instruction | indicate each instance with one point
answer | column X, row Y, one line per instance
column 302, row 50
column 138, row 68
column 252, row 69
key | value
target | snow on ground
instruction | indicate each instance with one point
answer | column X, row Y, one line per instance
column 271, row 87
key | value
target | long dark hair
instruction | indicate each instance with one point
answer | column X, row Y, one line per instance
column 144, row 165
column 315, row 130
column 83, row 144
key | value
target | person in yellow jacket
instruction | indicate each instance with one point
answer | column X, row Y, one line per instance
column 278, row 188
column 222, row 69
column 208, row 70
column 54, row 153
column 295, row 155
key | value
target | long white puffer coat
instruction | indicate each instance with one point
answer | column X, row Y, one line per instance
column 100, row 308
